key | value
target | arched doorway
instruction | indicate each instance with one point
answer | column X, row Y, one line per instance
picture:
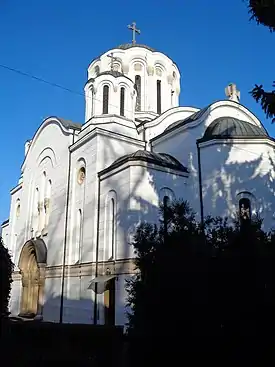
column 32, row 264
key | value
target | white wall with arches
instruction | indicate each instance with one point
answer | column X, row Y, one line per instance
column 104, row 96
column 43, row 189
column 231, row 172
column 154, row 71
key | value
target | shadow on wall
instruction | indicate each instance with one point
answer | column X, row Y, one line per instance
column 78, row 304
column 226, row 181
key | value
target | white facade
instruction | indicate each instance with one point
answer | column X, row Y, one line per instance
column 84, row 187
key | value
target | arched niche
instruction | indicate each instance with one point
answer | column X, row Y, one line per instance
column 32, row 264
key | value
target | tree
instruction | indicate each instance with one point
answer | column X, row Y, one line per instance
column 197, row 282
column 6, row 268
column 263, row 11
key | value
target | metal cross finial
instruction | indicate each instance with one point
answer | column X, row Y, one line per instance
column 135, row 30
column 113, row 58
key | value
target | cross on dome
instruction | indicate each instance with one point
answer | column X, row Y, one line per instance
column 113, row 58
column 134, row 30
column 232, row 92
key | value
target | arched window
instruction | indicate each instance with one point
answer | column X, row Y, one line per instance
column 105, row 106
column 138, row 90
column 166, row 201
column 96, row 70
column 122, row 101
column 47, row 202
column 79, row 226
column 110, row 227
column 245, row 211
column 36, row 212
column 159, row 96
column 17, row 210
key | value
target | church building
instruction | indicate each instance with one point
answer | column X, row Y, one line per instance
column 84, row 187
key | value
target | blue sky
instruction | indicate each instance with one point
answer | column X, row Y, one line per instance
column 213, row 43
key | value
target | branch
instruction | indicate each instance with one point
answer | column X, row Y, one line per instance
column 263, row 11
column 266, row 99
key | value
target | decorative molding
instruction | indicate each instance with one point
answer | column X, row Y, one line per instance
column 150, row 70
column 118, row 267
column 98, row 131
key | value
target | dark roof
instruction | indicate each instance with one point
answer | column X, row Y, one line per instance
column 230, row 127
column 191, row 118
column 126, row 46
column 161, row 159
column 5, row 222
column 70, row 124
column 114, row 73
column 196, row 116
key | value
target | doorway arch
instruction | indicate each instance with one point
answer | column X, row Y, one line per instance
column 32, row 265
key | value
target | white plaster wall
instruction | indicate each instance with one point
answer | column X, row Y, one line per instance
column 49, row 153
column 51, row 308
column 228, row 170
column 87, row 153
column 159, row 124
column 138, row 192
column 15, row 232
column 98, row 153
column 112, row 147
column 147, row 185
column 5, row 235
column 183, row 147
column 15, row 297
column 120, row 184
column 112, row 123
column 181, row 143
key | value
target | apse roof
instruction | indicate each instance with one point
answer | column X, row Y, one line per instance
column 68, row 124
column 161, row 159
column 230, row 127
column 193, row 117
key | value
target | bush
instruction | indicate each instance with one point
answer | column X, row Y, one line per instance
column 6, row 269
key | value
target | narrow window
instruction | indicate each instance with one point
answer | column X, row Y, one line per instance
column 122, row 101
column 165, row 219
column 159, row 96
column 138, row 90
column 79, row 233
column 245, row 211
column 47, row 202
column 112, row 225
column 105, row 99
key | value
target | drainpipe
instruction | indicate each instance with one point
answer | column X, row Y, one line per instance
column 97, row 248
column 200, row 182
column 65, row 237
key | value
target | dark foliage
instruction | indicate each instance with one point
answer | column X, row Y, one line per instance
column 6, row 268
column 46, row 344
column 263, row 11
column 198, row 286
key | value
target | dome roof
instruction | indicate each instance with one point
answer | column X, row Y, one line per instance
column 126, row 46
column 161, row 159
column 230, row 127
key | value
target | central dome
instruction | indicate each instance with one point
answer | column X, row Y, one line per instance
column 126, row 46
